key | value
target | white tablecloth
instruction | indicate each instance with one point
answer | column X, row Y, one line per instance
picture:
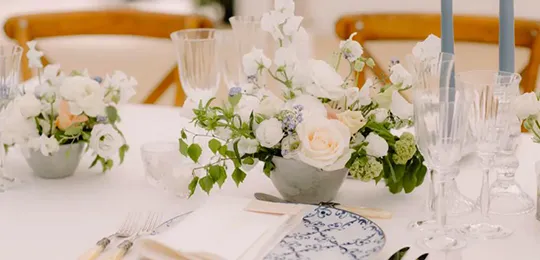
column 60, row 219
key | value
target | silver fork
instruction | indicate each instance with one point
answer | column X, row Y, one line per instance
column 127, row 229
column 152, row 221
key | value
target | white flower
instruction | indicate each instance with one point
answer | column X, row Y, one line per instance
column 246, row 106
column 292, row 25
column 223, row 133
column 269, row 133
column 33, row 55
column 351, row 49
column 526, row 105
column 427, row 50
column 119, row 87
column 400, row 107
column 269, row 106
column 271, row 22
column 284, row 6
column 48, row 145
column 29, row 105
column 52, row 74
column 380, row 114
column 105, row 140
column 358, row 139
column 290, row 146
column 15, row 128
column 354, row 120
column 399, row 75
column 84, row 95
column 311, row 106
column 247, row 146
column 255, row 60
column 285, row 56
column 377, row 146
column 324, row 143
column 325, row 82
column 302, row 43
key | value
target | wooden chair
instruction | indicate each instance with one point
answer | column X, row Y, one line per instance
column 25, row 28
column 416, row 27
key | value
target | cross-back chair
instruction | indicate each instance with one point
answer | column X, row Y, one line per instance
column 25, row 28
column 392, row 27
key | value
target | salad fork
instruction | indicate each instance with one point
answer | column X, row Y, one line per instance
column 127, row 229
column 152, row 221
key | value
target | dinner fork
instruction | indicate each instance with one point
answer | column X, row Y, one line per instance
column 152, row 221
column 127, row 229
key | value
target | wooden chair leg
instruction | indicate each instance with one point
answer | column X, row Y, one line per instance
column 180, row 95
column 162, row 87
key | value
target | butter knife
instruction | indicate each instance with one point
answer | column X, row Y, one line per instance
column 399, row 254
column 365, row 212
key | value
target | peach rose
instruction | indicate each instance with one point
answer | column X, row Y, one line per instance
column 65, row 119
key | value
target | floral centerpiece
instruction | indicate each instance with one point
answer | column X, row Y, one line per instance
column 64, row 112
column 320, row 125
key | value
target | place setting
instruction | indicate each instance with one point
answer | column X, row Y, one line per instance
column 278, row 155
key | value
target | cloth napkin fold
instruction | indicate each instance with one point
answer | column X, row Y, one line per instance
column 223, row 228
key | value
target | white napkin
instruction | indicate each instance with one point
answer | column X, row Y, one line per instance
column 222, row 227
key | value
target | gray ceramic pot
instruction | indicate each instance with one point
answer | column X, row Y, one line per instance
column 299, row 182
column 59, row 165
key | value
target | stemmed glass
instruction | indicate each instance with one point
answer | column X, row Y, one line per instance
column 440, row 124
column 231, row 58
column 490, row 94
column 456, row 203
column 10, row 60
column 198, row 62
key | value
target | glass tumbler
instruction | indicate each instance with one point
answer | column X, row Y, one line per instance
column 165, row 168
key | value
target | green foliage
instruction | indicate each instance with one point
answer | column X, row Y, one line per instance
column 194, row 152
column 193, row 185
column 122, row 153
column 183, row 147
column 206, row 183
column 112, row 114
column 238, row 176
column 214, row 145
column 218, row 174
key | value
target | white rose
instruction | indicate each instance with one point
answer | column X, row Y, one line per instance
column 29, row 105
column 286, row 57
column 269, row 133
column 380, row 114
column 119, row 87
column 246, row 106
column 354, row 120
column 269, row 106
column 428, row 49
column 292, row 24
column 105, row 140
column 526, row 105
column 254, row 60
column 377, row 146
column 325, row 81
column 311, row 106
column 400, row 107
column 399, row 75
column 284, row 6
column 351, row 49
column 247, row 146
column 15, row 128
column 271, row 22
column 290, row 146
column 324, row 143
column 48, row 145
column 52, row 75
column 84, row 95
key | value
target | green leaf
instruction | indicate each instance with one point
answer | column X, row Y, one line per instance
column 73, row 130
column 183, row 147
column 359, row 65
column 194, row 151
column 269, row 166
column 214, row 145
column 234, row 100
column 218, row 173
column 238, row 176
column 122, row 153
column 223, row 150
column 183, row 134
column 399, row 171
column 112, row 114
column 206, row 183
column 236, row 154
column 420, row 175
column 370, row 62
column 409, row 182
column 193, row 185
column 248, row 161
column 95, row 161
column 85, row 136
column 395, row 187
column 107, row 164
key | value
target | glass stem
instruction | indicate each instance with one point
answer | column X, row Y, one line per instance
column 487, row 162
column 441, row 204
column 431, row 191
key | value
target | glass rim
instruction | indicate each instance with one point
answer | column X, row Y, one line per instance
column 460, row 75
column 16, row 49
column 175, row 34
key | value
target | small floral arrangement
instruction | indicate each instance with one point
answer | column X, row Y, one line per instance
column 67, row 109
column 527, row 109
column 319, row 119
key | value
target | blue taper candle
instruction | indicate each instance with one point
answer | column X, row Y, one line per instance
column 506, row 35
column 447, row 31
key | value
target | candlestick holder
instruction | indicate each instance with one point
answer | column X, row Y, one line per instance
column 506, row 195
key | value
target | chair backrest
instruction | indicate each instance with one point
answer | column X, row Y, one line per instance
column 391, row 27
column 25, row 28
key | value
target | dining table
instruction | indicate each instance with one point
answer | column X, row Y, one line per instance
column 60, row 219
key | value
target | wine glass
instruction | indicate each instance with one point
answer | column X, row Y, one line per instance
column 197, row 53
column 440, row 111
column 490, row 94
column 10, row 60
column 231, row 58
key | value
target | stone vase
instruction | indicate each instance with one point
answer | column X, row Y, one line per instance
column 302, row 183
column 59, row 165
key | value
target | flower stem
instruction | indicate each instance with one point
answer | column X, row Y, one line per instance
column 338, row 61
